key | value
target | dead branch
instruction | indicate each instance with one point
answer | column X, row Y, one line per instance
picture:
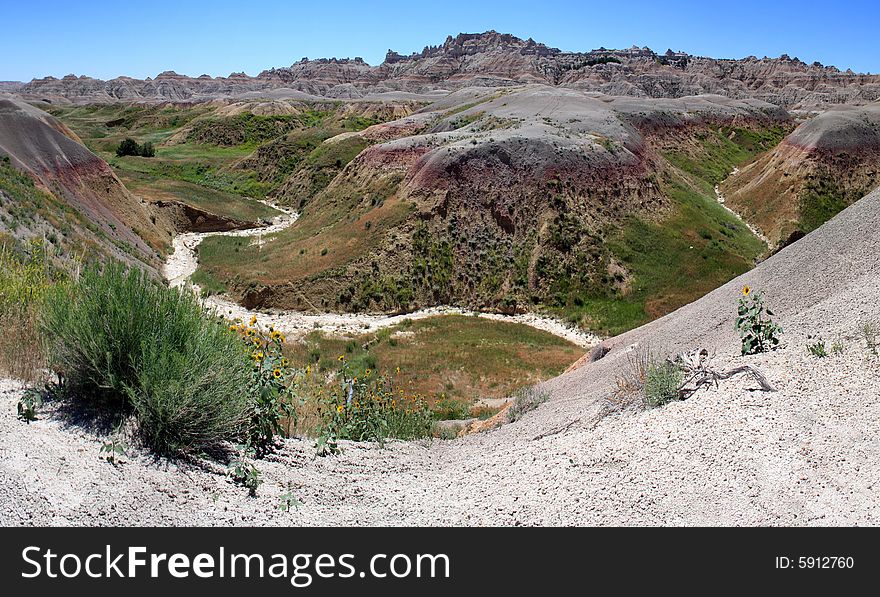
column 699, row 374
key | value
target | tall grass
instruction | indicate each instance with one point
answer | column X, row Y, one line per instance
column 25, row 277
column 120, row 338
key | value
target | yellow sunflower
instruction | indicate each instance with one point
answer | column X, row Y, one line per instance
column 747, row 290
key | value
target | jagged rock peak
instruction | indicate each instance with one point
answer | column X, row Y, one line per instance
column 468, row 44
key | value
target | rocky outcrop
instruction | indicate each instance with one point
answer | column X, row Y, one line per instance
column 496, row 59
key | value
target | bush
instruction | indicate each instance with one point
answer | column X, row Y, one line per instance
column 131, row 147
column 127, row 147
column 525, row 400
column 449, row 409
column 662, row 383
column 758, row 333
column 120, row 338
column 194, row 397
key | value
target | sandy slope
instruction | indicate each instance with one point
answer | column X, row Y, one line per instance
column 807, row 454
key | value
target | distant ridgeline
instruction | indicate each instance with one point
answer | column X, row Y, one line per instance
column 496, row 59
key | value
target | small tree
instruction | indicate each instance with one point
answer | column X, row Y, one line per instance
column 130, row 147
column 127, row 147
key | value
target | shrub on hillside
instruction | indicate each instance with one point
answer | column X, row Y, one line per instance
column 662, row 384
column 120, row 338
column 649, row 377
column 130, row 147
column 525, row 400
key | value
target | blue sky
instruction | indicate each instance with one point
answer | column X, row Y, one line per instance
column 106, row 39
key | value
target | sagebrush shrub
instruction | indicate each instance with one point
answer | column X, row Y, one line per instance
column 95, row 328
column 192, row 397
column 662, row 383
column 525, row 400
column 119, row 337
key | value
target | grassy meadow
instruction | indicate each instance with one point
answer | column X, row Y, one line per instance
column 448, row 357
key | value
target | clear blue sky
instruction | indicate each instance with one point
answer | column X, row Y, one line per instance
column 142, row 38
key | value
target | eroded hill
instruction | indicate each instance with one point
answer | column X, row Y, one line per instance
column 52, row 187
column 511, row 199
column 826, row 164
column 494, row 59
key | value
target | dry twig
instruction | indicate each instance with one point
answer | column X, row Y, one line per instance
column 699, row 374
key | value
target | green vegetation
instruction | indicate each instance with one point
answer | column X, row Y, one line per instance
column 525, row 400
column 724, row 149
column 371, row 407
column 103, row 126
column 322, row 165
column 251, row 129
column 27, row 210
column 209, row 284
column 25, row 277
column 205, row 165
column 817, row 348
column 699, row 247
column 753, row 322
column 647, row 378
column 129, row 146
column 449, row 356
column 662, row 383
column 247, row 475
column 30, row 403
column 221, row 203
column 125, row 342
column 696, row 248
column 822, row 199
column 272, row 382
column 335, row 221
column 245, row 155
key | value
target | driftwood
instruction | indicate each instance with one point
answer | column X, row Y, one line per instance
column 699, row 374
